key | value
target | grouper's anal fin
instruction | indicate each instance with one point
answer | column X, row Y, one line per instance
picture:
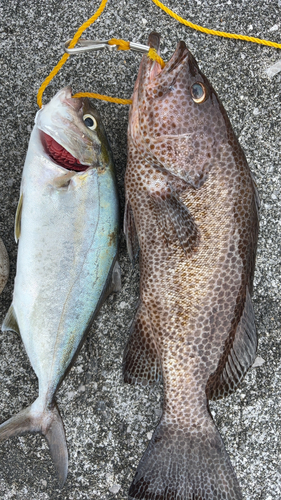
column 10, row 321
column 141, row 361
column 114, row 281
column 47, row 422
column 238, row 357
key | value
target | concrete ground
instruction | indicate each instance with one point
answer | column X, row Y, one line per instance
column 108, row 424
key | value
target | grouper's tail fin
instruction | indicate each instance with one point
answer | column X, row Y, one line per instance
column 185, row 464
column 47, row 422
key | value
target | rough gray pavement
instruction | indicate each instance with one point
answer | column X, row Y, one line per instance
column 108, row 424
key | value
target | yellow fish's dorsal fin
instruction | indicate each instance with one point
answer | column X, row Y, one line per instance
column 18, row 219
column 10, row 322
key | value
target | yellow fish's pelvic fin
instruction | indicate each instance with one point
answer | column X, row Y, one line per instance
column 10, row 322
column 18, row 219
column 238, row 357
column 141, row 361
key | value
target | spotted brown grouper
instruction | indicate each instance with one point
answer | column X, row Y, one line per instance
column 192, row 207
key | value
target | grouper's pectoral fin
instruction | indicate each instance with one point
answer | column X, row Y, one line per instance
column 141, row 361
column 130, row 232
column 10, row 322
column 238, row 356
column 18, row 219
column 176, row 221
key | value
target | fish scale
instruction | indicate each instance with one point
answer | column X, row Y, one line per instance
column 192, row 205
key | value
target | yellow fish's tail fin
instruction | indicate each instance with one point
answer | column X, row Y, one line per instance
column 47, row 422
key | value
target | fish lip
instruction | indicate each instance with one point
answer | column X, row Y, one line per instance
column 176, row 62
column 179, row 57
column 154, row 40
column 75, row 103
column 152, row 72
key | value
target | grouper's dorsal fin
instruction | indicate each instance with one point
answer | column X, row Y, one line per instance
column 239, row 356
column 18, row 219
column 10, row 322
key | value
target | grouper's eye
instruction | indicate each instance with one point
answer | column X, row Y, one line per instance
column 198, row 92
column 90, row 121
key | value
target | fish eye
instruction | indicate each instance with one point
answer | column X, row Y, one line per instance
column 90, row 121
column 198, row 92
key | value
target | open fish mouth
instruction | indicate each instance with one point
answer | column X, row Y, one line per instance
column 65, row 137
column 60, row 155
column 176, row 62
column 153, row 81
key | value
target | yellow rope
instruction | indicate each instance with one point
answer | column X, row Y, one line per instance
column 152, row 54
column 123, row 45
column 66, row 56
column 116, row 100
column 214, row 32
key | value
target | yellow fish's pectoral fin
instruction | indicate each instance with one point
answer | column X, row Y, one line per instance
column 62, row 181
column 18, row 218
column 10, row 322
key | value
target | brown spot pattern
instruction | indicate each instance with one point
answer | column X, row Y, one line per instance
column 193, row 210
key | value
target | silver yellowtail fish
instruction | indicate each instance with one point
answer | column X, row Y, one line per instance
column 4, row 265
column 67, row 225
column 191, row 204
